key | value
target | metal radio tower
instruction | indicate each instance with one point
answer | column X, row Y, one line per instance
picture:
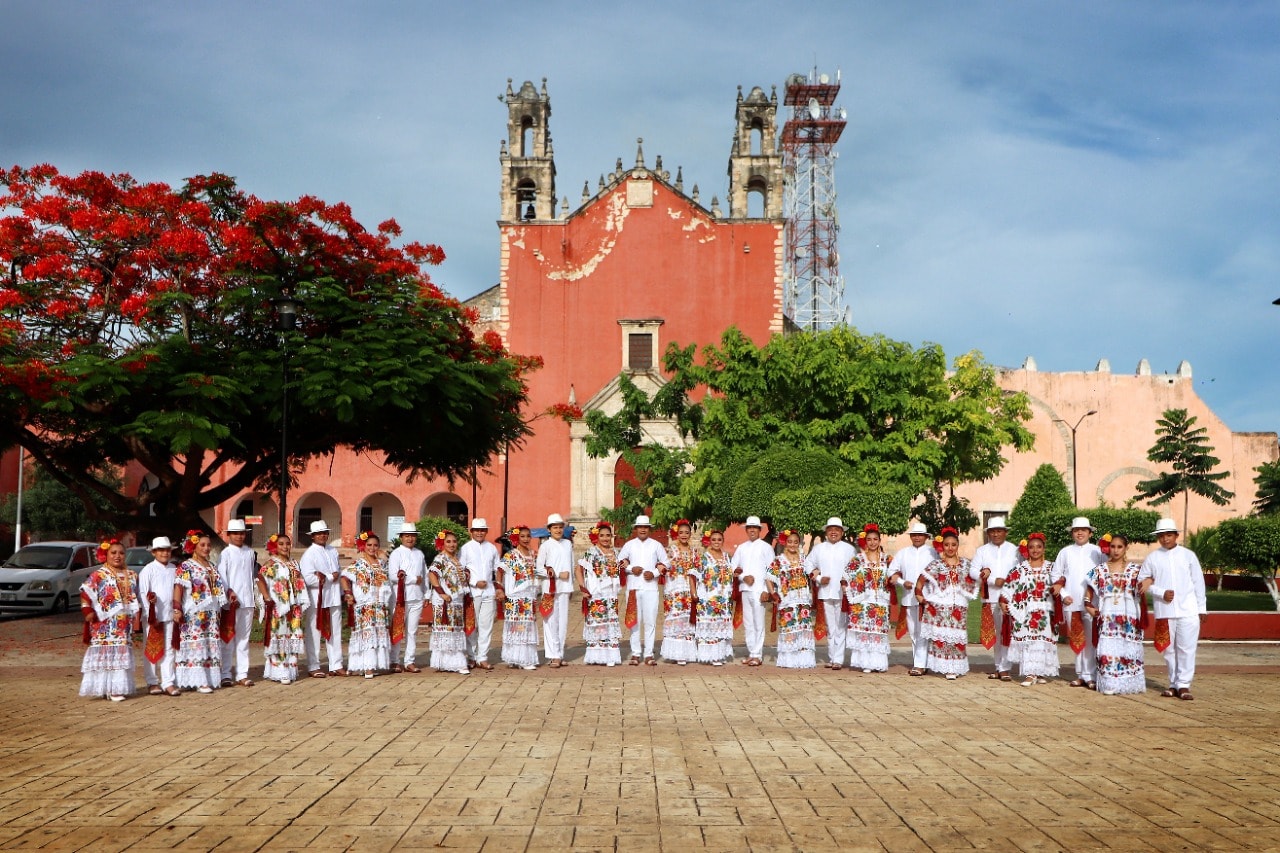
column 813, row 289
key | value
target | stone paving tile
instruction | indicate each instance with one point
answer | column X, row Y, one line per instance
column 644, row 759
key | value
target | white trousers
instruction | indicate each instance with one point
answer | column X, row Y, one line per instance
column 753, row 624
column 164, row 672
column 237, row 651
column 553, row 628
column 837, row 631
column 647, row 613
column 1000, row 651
column 919, row 648
column 1087, row 660
column 311, row 639
column 405, row 651
column 1180, row 657
column 478, row 642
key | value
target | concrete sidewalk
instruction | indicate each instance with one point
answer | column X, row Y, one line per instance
column 665, row 758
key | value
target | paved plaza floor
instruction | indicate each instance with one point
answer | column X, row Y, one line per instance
column 666, row 758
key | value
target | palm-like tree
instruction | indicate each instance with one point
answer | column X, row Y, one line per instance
column 1185, row 448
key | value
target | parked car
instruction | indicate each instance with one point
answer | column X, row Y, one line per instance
column 136, row 559
column 46, row 576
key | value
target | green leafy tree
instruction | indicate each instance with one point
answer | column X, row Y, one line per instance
column 51, row 511
column 1045, row 493
column 892, row 413
column 807, row 509
column 136, row 325
column 779, row 469
column 1136, row 524
column 1266, row 500
column 1185, row 448
column 1253, row 543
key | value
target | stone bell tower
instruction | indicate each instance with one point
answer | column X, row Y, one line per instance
column 755, row 163
column 528, row 162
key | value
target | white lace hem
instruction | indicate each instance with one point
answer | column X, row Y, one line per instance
column 875, row 644
column 947, row 666
column 209, row 675
column 1037, row 657
column 1129, row 683
column 602, row 655
column 522, row 654
column 448, row 661
column 369, row 660
column 799, row 659
column 285, row 673
column 108, row 659
column 675, row 648
column 876, row 661
column 107, row 682
column 710, row 651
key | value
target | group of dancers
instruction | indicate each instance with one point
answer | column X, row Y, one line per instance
column 195, row 617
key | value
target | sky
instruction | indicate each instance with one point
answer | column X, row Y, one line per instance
column 1064, row 180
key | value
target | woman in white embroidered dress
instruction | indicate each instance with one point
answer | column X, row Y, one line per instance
column 367, row 589
column 284, row 596
column 944, row 619
column 448, row 581
column 678, row 600
column 793, row 599
column 198, row 595
column 110, row 607
column 714, row 585
column 519, row 606
column 1027, row 601
column 1114, row 599
column 598, row 580
column 866, row 587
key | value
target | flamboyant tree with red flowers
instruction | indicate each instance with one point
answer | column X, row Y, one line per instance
column 137, row 324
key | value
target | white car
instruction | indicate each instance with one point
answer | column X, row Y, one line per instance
column 46, row 576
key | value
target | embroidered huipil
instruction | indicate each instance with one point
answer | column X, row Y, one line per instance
column 714, row 585
column 678, row 600
column 867, row 590
column 601, row 628
column 795, row 613
column 199, row 655
column 519, row 625
column 108, row 662
column 287, row 593
column 1028, row 590
column 947, row 591
column 448, row 638
column 369, row 648
column 1120, row 635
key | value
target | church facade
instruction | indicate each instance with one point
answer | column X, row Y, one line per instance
column 641, row 261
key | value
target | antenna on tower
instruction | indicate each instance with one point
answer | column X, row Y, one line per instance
column 813, row 291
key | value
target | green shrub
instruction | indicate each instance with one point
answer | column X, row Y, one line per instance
column 807, row 509
column 779, row 470
column 429, row 526
column 1136, row 524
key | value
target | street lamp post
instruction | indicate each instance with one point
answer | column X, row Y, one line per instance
column 1075, row 467
column 286, row 321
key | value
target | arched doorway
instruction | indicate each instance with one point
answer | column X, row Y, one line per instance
column 257, row 504
column 316, row 506
column 376, row 512
column 446, row 505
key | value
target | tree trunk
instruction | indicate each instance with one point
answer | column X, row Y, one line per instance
column 1186, row 509
column 1270, row 580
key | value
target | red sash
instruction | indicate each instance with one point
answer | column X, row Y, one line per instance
column 586, row 603
column 154, row 649
column 632, row 618
column 322, row 612
column 820, row 613
column 1058, row 620
column 773, row 618
column 1075, row 635
column 547, row 601
column 468, row 614
column 227, row 621
column 1097, row 628
column 89, row 626
column 737, row 604
column 900, row 623
column 176, row 642
column 1006, row 631
column 397, row 614
column 428, row 612
column 350, row 610
column 1162, row 638
column 845, row 606
column 987, row 633
column 268, row 616
column 693, row 608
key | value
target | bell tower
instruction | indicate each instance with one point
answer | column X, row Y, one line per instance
column 528, row 162
column 755, row 163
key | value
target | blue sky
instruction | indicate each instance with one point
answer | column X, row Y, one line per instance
column 1070, row 181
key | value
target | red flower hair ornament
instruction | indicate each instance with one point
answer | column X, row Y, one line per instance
column 105, row 547
column 1104, row 544
column 189, row 543
column 273, row 544
column 361, row 541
